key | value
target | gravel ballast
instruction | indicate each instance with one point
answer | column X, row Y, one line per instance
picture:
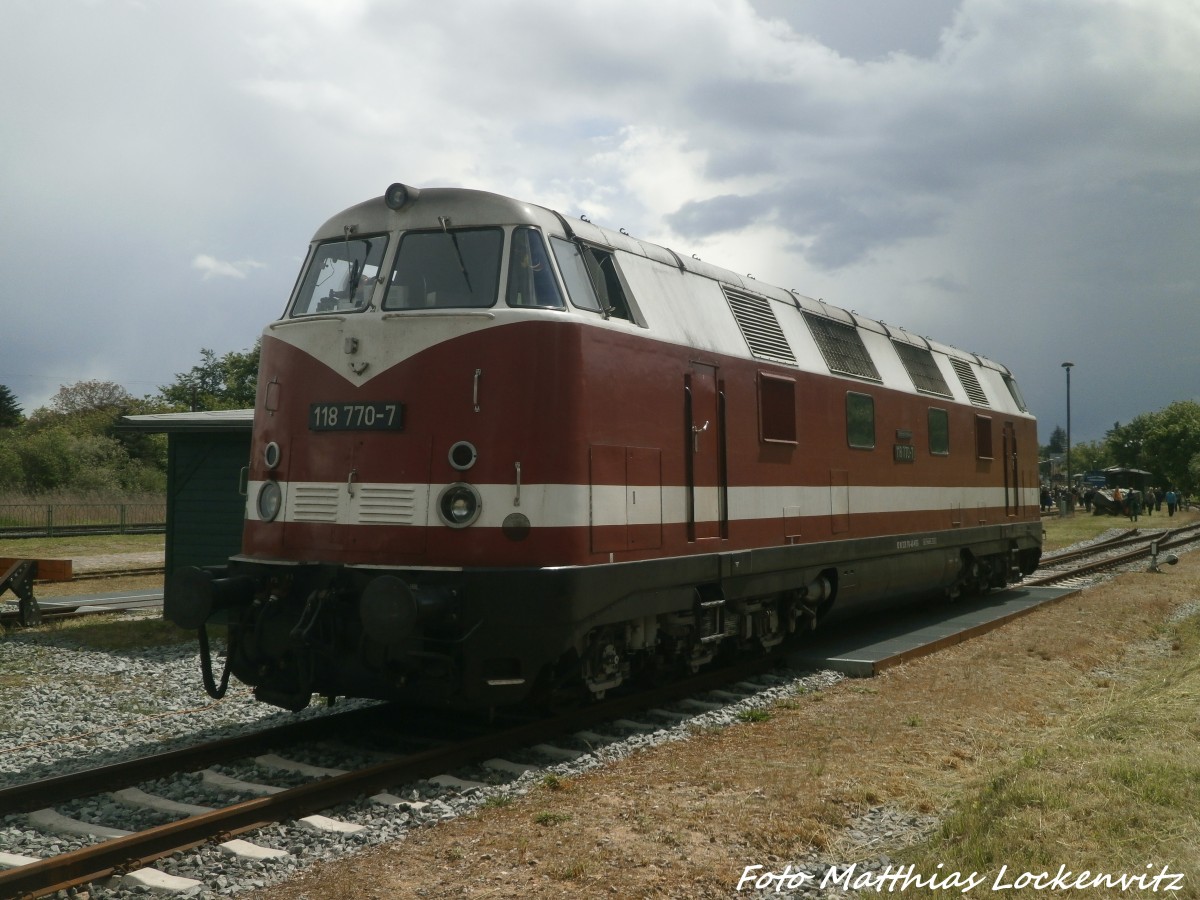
column 73, row 708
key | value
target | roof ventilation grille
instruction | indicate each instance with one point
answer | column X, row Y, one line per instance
column 759, row 326
column 969, row 382
column 843, row 347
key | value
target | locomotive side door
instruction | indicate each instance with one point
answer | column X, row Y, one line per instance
column 1012, row 484
column 703, row 429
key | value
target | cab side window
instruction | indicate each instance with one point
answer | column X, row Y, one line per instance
column 592, row 279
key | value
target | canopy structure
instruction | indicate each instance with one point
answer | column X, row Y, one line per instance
column 1126, row 477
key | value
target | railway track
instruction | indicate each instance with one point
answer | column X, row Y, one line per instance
column 1117, row 552
column 59, row 608
column 439, row 753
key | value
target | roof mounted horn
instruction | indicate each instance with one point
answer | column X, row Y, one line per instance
column 398, row 195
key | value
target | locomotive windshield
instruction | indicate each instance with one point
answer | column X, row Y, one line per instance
column 456, row 267
column 341, row 276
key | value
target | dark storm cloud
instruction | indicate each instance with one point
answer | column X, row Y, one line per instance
column 1014, row 176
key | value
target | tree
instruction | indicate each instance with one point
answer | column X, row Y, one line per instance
column 1058, row 441
column 1091, row 457
column 226, row 382
column 10, row 412
column 87, row 396
column 1163, row 442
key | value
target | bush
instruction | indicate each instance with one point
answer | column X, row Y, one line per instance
column 58, row 459
column 12, row 474
column 47, row 460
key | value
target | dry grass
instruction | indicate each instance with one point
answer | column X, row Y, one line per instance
column 83, row 545
column 1003, row 737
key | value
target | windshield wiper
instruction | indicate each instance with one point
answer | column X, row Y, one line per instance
column 462, row 264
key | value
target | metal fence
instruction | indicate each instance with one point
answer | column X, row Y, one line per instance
column 57, row 519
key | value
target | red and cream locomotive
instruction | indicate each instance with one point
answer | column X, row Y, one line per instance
column 499, row 455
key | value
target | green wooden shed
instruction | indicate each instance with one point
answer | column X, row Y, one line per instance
column 206, row 452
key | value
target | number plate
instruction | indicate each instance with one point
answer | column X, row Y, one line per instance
column 356, row 417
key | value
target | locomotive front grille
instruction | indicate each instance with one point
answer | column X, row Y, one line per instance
column 315, row 503
column 356, row 504
column 386, row 505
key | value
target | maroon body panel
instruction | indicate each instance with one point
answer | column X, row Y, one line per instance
column 588, row 406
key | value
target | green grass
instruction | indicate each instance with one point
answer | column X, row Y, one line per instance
column 1112, row 791
column 1082, row 527
column 753, row 715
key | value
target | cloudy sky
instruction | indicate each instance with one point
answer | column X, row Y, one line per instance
column 1018, row 178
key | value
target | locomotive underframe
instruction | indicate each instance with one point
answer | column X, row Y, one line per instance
column 495, row 637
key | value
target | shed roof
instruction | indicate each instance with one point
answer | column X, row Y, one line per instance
column 175, row 423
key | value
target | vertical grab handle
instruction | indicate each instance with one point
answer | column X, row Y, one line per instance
column 475, row 391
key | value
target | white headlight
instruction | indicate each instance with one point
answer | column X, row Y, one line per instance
column 270, row 499
column 459, row 505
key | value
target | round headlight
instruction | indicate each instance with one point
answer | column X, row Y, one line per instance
column 270, row 500
column 459, row 505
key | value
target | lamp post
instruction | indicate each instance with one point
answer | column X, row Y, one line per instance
column 1070, row 499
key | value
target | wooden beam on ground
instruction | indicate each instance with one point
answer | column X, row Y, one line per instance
column 47, row 569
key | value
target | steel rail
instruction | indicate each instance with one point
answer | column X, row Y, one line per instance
column 1167, row 540
column 58, row 608
column 1118, row 540
column 124, row 854
column 114, row 776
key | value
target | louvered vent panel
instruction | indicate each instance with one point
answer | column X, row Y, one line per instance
column 315, row 502
column 760, row 328
column 387, row 505
column 843, row 347
column 922, row 369
column 969, row 382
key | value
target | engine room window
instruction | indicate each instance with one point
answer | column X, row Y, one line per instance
column 451, row 268
column 341, row 276
column 939, row 431
column 860, row 421
column 983, row 437
column 593, row 281
column 777, row 408
column 530, row 277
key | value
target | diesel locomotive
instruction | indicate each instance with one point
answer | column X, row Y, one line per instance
column 502, row 456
